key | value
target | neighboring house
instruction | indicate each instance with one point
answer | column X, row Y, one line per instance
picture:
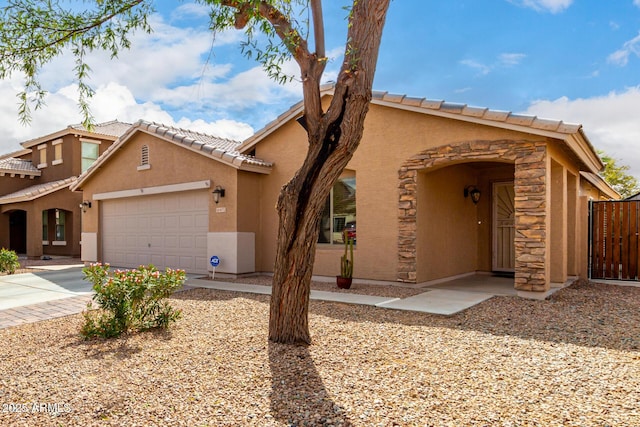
column 634, row 197
column 39, row 215
column 408, row 195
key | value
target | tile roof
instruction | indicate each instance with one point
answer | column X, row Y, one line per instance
column 11, row 165
column 429, row 106
column 221, row 149
column 112, row 128
column 464, row 110
column 108, row 130
column 35, row 191
column 572, row 134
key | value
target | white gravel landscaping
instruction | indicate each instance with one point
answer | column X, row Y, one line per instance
column 571, row 360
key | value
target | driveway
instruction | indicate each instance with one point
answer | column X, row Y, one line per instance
column 18, row 290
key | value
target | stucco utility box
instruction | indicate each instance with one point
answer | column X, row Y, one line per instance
column 237, row 252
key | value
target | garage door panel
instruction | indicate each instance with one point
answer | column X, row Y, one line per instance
column 167, row 230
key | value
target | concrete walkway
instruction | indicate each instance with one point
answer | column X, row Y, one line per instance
column 60, row 291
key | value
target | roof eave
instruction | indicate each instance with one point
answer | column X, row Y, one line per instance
column 30, row 197
column 601, row 184
column 67, row 131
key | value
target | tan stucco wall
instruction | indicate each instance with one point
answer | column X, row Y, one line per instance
column 391, row 137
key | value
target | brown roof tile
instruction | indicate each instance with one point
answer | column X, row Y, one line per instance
column 35, row 191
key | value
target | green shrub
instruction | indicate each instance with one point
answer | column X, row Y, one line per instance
column 130, row 300
column 8, row 261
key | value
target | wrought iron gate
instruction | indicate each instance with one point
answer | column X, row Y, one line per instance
column 614, row 244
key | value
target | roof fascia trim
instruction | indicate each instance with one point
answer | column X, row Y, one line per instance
column 600, row 184
column 35, row 196
column 160, row 189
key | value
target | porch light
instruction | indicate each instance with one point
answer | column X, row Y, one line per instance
column 85, row 205
column 472, row 190
column 217, row 193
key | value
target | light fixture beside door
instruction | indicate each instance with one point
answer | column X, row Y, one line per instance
column 473, row 192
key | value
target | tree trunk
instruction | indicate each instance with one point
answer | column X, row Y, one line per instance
column 333, row 137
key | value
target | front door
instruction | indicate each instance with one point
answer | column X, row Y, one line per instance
column 503, row 227
column 18, row 231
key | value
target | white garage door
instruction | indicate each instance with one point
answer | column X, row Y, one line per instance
column 166, row 230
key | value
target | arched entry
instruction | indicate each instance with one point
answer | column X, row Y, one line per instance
column 18, row 231
column 529, row 160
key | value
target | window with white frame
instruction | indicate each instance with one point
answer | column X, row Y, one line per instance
column 42, row 156
column 60, row 227
column 90, row 152
column 339, row 216
column 57, row 152
column 45, row 227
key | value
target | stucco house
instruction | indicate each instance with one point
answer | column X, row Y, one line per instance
column 435, row 191
column 39, row 215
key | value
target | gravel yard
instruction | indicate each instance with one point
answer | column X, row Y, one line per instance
column 572, row 360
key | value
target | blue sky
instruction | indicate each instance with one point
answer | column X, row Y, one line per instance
column 571, row 60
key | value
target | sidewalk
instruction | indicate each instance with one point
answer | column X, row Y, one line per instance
column 68, row 302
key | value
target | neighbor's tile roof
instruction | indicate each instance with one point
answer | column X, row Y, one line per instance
column 18, row 166
column 108, row 130
column 35, row 191
column 112, row 128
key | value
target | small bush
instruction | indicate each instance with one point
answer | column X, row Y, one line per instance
column 8, row 261
column 130, row 300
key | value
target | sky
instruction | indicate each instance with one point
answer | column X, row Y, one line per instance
column 571, row 60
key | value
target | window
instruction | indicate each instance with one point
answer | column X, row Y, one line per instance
column 45, row 227
column 90, row 152
column 339, row 214
column 60, row 222
column 57, row 152
column 144, row 158
column 42, row 156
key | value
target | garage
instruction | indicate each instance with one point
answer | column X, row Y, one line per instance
column 166, row 230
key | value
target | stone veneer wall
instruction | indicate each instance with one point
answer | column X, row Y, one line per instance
column 530, row 159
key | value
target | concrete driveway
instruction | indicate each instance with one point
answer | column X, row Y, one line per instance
column 17, row 290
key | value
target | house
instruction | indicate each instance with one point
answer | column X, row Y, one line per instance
column 634, row 197
column 435, row 191
column 39, row 215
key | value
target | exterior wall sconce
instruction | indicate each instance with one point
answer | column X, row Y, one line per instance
column 473, row 192
column 85, row 205
column 217, row 193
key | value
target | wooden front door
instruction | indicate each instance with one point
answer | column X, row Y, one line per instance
column 503, row 227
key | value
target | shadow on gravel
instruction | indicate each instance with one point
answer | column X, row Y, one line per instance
column 298, row 395
column 584, row 314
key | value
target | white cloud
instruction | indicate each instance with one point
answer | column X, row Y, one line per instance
column 553, row 6
column 511, row 59
column 482, row 68
column 621, row 57
column 636, row 2
column 111, row 101
column 610, row 122
column 503, row 60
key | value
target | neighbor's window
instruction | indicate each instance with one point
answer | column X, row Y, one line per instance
column 60, row 222
column 57, row 152
column 340, row 211
column 45, row 226
column 90, row 152
column 42, row 156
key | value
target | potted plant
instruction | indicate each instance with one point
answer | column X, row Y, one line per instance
column 346, row 263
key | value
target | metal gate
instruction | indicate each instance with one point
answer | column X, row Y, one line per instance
column 614, row 243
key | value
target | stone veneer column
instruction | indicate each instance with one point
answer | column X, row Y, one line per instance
column 532, row 269
column 530, row 204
